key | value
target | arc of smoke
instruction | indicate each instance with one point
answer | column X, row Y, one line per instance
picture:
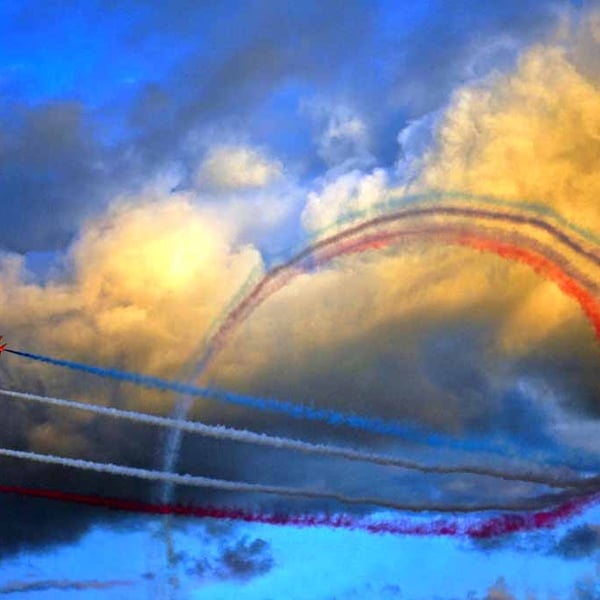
column 279, row 276
column 536, row 503
column 257, row 295
column 241, row 435
column 484, row 528
column 401, row 201
column 172, row 447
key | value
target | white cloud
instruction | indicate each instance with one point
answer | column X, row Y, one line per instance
column 353, row 191
column 236, row 167
column 342, row 136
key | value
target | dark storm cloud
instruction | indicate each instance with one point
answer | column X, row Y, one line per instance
column 579, row 542
column 240, row 559
column 51, row 173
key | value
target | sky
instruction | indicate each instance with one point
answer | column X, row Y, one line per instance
column 364, row 227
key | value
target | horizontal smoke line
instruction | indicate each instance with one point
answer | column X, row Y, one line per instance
column 298, row 411
column 242, row 435
column 536, row 503
column 479, row 529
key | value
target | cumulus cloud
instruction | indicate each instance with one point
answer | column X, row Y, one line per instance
column 350, row 192
column 533, row 134
column 143, row 274
column 139, row 289
column 228, row 168
column 342, row 137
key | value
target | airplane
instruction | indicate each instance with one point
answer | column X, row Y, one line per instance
column 2, row 346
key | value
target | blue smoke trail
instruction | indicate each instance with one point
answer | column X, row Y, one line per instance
column 328, row 416
column 297, row 411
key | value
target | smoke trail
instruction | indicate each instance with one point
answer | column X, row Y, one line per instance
column 401, row 201
column 241, row 487
column 240, row 435
column 45, row 585
column 280, row 276
column 332, row 417
column 484, row 528
column 297, row 411
column 269, row 284
column 253, row 299
column 543, row 260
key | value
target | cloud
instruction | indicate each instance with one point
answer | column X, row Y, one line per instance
column 532, row 134
column 53, row 173
column 579, row 542
column 342, row 137
column 242, row 559
column 139, row 288
column 228, row 168
column 215, row 66
column 343, row 194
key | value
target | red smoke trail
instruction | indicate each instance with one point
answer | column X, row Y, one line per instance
column 543, row 267
column 486, row 528
column 550, row 269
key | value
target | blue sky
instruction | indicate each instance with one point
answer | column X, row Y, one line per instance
column 153, row 155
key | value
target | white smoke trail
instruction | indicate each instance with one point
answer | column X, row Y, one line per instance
column 241, row 435
column 241, row 487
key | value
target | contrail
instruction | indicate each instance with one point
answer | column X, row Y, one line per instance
column 261, row 439
column 277, row 279
column 45, row 585
column 240, row 487
column 279, row 276
column 483, row 528
column 287, row 270
column 297, row 411
column 404, row 200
